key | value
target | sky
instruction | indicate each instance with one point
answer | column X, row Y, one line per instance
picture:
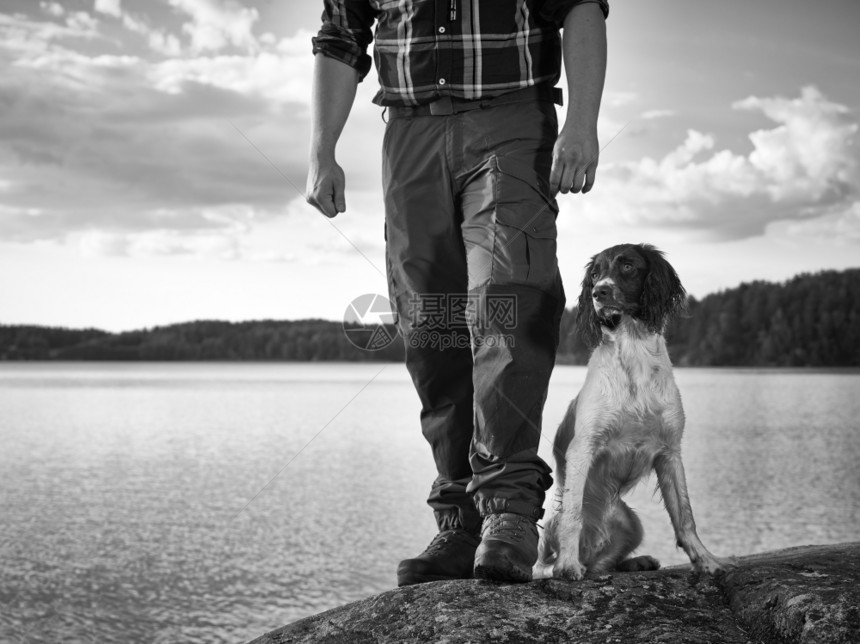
column 153, row 157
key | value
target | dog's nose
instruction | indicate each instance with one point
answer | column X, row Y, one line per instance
column 601, row 292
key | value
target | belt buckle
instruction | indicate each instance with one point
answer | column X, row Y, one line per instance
column 442, row 106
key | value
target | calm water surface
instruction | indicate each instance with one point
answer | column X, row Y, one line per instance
column 214, row 502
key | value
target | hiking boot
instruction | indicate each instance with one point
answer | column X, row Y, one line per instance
column 451, row 555
column 508, row 548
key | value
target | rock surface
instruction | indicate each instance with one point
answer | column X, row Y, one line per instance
column 808, row 594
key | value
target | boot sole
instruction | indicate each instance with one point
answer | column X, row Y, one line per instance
column 500, row 568
column 412, row 580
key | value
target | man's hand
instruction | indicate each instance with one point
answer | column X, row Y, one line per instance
column 325, row 188
column 574, row 157
column 574, row 161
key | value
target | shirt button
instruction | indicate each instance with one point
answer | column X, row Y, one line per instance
column 441, row 30
column 441, row 81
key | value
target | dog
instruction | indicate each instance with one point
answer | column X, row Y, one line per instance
column 626, row 421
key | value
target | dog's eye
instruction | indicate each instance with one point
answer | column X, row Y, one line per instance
column 594, row 276
column 627, row 267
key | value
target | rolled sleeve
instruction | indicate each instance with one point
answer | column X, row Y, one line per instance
column 346, row 33
column 556, row 10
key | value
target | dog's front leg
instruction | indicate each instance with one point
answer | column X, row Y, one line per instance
column 673, row 487
column 578, row 460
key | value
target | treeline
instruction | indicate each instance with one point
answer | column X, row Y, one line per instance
column 810, row 320
column 300, row 340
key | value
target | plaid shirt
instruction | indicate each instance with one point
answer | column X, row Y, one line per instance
column 468, row 49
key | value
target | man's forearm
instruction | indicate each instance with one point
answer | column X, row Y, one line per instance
column 331, row 101
column 584, row 52
column 576, row 151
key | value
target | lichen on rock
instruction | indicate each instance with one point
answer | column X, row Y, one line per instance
column 808, row 595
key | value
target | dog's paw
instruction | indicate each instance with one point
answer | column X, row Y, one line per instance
column 722, row 565
column 542, row 571
column 638, row 564
column 714, row 565
column 570, row 569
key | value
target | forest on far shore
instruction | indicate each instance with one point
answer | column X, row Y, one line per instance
column 811, row 320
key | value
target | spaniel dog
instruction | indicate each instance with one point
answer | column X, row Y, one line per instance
column 626, row 421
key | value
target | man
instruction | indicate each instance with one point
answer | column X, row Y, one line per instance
column 472, row 160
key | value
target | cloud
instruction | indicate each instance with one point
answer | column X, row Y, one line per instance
column 295, row 233
column 109, row 7
column 615, row 99
column 158, row 243
column 837, row 228
column 810, row 154
column 214, row 25
column 208, row 26
column 20, row 35
column 52, row 8
column 279, row 75
column 163, row 43
column 803, row 168
column 157, row 40
column 650, row 115
column 125, row 144
column 82, row 24
column 218, row 232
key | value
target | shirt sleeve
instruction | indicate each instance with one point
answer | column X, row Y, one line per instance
column 346, row 33
column 556, row 10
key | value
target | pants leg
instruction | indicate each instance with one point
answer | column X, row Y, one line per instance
column 510, row 236
column 427, row 277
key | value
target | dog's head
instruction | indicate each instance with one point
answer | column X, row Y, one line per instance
column 632, row 280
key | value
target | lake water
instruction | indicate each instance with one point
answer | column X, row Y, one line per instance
column 215, row 502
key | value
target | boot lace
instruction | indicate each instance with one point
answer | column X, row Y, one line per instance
column 444, row 539
column 512, row 528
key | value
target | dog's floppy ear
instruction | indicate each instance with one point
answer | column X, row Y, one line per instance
column 663, row 296
column 587, row 324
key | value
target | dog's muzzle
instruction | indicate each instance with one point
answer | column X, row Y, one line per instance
column 609, row 317
column 605, row 305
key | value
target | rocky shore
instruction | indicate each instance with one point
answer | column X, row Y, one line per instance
column 807, row 595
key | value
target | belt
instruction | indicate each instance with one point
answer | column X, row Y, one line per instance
column 447, row 105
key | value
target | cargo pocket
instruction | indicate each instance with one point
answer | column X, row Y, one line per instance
column 524, row 250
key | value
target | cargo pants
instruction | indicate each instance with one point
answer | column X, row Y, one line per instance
column 473, row 275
